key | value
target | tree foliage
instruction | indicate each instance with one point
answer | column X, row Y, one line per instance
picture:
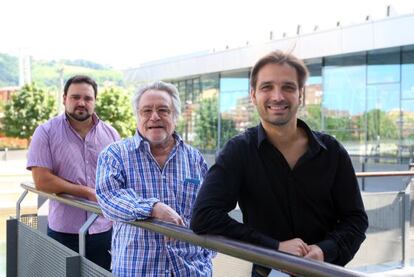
column 206, row 125
column 47, row 73
column 27, row 109
column 379, row 125
column 313, row 116
column 114, row 106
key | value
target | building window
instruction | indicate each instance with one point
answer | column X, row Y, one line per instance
column 236, row 110
column 344, row 99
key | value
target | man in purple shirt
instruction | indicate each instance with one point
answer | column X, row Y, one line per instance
column 62, row 157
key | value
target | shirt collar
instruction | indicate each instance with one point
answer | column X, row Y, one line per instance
column 315, row 144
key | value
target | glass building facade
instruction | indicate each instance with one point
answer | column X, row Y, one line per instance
column 364, row 99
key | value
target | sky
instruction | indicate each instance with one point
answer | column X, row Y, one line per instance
column 127, row 33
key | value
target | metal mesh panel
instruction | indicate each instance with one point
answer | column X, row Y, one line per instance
column 30, row 220
column 90, row 269
column 39, row 255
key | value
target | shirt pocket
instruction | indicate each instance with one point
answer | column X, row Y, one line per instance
column 186, row 195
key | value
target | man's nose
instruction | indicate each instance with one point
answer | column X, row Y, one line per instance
column 277, row 94
column 81, row 102
column 154, row 115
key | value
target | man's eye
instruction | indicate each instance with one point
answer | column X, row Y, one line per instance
column 163, row 111
column 289, row 88
column 146, row 112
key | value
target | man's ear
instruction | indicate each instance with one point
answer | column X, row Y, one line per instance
column 253, row 96
column 301, row 96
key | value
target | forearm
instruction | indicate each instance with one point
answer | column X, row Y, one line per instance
column 123, row 204
column 47, row 182
column 343, row 242
column 209, row 218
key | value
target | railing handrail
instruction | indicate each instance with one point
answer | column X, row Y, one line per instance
column 259, row 255
column 384, row 173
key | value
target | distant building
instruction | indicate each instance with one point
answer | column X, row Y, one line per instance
column 6, row 93
column 361, row 88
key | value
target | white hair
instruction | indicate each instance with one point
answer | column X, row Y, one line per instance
column 158, row 85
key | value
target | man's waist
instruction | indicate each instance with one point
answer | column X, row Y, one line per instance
column 72, row 225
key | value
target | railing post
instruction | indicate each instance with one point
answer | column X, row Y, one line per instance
column 363, row 178
column 11, row 248
column 19, row 201
column 406, row 226
column 82, row 234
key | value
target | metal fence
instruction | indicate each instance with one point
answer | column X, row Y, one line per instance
column 259, row 255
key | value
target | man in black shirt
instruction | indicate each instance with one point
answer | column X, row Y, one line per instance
column 296, row 188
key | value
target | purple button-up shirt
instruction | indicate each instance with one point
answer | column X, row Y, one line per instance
column 57, row 146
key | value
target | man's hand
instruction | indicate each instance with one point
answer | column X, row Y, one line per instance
column 164, row 212
column 294, row 246
column 315, row 253
column 90, row 194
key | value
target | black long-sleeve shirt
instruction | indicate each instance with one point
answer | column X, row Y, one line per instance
column 318, row 200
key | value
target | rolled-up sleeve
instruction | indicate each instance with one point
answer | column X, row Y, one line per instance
column 39, row 151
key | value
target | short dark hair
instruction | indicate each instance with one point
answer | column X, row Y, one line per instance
column 79, row 79
column 279, row 57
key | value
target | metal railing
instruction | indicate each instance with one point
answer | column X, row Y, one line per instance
column 255, row 254
column 384, row 174
column 406, row 207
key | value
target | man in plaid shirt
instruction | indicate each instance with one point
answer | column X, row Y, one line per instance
column 152, row 174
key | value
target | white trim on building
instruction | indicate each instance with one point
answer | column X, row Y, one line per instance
column 370, row 35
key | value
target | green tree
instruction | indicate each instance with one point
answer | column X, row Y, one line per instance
column 206, row 125
column 340, row 127
column 27, row 109
column 379, row 124
column 114, row 107
column 313, row 116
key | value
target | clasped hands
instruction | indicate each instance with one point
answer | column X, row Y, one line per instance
column 300, row 248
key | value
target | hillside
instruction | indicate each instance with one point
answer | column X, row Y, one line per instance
column 46, row 73
column 9, row 70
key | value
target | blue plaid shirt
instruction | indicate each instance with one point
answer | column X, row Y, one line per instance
column 129, row 182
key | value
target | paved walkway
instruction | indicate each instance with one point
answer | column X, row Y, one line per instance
column 12, row 174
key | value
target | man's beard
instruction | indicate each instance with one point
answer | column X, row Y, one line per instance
column 80, row 117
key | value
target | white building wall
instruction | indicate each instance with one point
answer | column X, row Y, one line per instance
column 370, row 35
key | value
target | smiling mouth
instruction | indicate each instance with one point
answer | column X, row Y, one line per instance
column 278, row 107
column 155, row 127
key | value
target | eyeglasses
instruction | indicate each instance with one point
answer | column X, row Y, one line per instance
column 161, row 112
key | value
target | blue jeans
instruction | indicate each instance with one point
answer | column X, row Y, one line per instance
column 97, row 245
